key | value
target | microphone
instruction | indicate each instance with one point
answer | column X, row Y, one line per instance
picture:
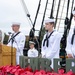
column 9, row 33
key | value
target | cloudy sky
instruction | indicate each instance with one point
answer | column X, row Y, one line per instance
column 13, row 11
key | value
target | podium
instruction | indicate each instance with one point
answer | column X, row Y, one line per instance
column 5, row 55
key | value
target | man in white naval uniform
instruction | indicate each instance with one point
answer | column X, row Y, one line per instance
column 32, row 52
column 18, row 41
column 70, row 47
column 51, row 42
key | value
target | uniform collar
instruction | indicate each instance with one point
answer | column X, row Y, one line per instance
column 16, row 32
column 48, row 33
column 33, row 49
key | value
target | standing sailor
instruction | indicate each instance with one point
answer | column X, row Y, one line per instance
column 17, row 40
column 70, row 47
column 51, row 42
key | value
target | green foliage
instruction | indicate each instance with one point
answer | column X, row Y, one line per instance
column 5, row 41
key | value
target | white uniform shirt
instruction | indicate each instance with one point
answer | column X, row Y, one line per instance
column 32, row 53
column 70, row 49
column 19, row 42
column 52, row 51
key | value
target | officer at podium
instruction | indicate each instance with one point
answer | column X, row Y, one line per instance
column 17, row 40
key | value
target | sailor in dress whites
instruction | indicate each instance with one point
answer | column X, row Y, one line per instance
column 32, row 52
column 17, row 40
column 51, row 42
column 70, row 47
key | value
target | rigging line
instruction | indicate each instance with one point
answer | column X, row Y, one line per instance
column 37, row 13
column 55, row 5
column 64, row 37
column 67, row 7
column 66, row 18
column 66, row 30
column 32, row 31
column 43, row 20
column 72, row 5
column 57, row 12
column 67, row 21
column 61, row 15
column 71, row 16
column 44, row 14
column 51, row 15
column 26, row 12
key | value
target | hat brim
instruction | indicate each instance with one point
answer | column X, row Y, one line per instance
column 31, row 42
column 49, row 21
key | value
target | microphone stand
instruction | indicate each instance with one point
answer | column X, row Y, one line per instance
column 12, row 40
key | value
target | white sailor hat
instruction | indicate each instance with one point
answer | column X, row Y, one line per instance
column 73, row 12
column 31, row 42
column 49, row 20
column 15, row 24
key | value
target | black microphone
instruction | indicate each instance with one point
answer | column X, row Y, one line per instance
column 9, row 33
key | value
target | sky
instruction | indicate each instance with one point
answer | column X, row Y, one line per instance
column 13, row 11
